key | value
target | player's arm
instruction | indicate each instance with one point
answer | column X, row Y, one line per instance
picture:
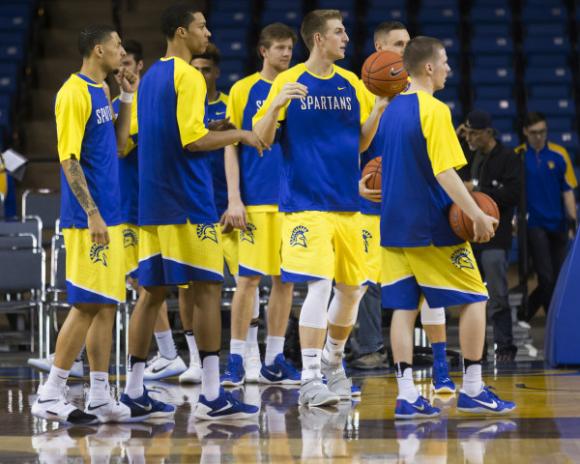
column 235, row 215
column 214, row 140
column 370, row 126
column 266, row 120
column 128, row 82
column 72, row 111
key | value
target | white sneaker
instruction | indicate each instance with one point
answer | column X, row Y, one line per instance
column 107, row 409
column 161, row 368
column 44, row 364
column 57, row 408
column 192, row 374
column 252, row 364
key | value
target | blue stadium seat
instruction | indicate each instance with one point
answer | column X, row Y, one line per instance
column 232, row 48
column 543, row 59
column 492, row 45
column 337, row 4
column 292, row 17
column 546, row 29
column 439, row 3
column 456, row 108
column 502, row 124
column 282, row 5
column 567, row 139
column 548, row 75
column 552, row 44
column 549, row 91
column 449, row 93
column 236, row 18
column 229, row 33
column 491, row 29
column 439, row 30
column 558, row 124
column 493, row 61
column 491, row 13
column 14, row 52
column 493, row 91
column 552, row 106
column 544, row 13
column 8, row 78
column 439, row 14
column 492, row 76
column 376, row 15
column 504, row 108
column 232, row 5
column 374, row 5
column 509, row 139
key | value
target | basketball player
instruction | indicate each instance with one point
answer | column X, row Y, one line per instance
column 179, row 241
column 422, row 256
column 253, row 192
column 324, row 124
column 88, row 141
column 393, row 36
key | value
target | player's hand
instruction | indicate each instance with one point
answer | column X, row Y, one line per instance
column 128, row 81
column 290, row 91
column 469, row 185
column 381, row 104
column 98, row 229
column 221, row 125
column 251, row 138
column 484, row 228
column 226, row 227
column 235, row 215
column 367, row 193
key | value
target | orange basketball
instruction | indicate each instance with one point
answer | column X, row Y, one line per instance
column 384, row 75
column 374, row 167
column 462, row 225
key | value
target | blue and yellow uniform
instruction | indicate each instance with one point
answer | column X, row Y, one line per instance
column 260, row 243
column 179, row 238
column 320, row 138
column 549, row 173
column 216, row 110
column 420, row 252
column 85, row 130
column 129, row 187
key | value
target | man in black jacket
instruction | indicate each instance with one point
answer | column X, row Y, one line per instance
column 496, row 171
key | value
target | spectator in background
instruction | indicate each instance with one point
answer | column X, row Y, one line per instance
column 495, row 170
column 551, row 205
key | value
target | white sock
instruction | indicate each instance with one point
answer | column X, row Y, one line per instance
column 333, row 350
column 99, row 386
column 134, row 385
column 472, row 382
column 252, row 338
column 166, row 344
column 55, row 383
column 407, row 389
column 193, row 351
column 210, row 377
column 311, row 363
column 237, row 346
column 274, row 346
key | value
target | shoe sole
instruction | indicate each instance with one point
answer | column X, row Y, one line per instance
column 480, row 410
column 162, row 375
column 229, row 383
column 416, row 415
column 327, row 402
column 233, row 417
column 264, row 381
column 443, row 390
column 48, row 417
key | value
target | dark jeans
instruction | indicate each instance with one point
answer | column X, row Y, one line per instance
column 548, row 250
column 494, row 264
column 370, row 333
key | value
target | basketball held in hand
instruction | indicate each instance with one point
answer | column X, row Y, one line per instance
column 462, row 225
column 373, row 167
column 384, row 75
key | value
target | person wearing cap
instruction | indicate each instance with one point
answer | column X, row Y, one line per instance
column 551, row 207
column 495, row 170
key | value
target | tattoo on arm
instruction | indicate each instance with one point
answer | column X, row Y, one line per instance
column 78, row 184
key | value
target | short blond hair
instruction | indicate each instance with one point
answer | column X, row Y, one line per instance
column 316, row 22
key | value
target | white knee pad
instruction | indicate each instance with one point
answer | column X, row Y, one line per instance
column 343, row 309
column 314, row 309
column 432, row 316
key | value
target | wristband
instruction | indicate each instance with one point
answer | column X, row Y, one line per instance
column 126, row 97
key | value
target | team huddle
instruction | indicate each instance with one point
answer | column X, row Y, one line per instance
column 172, row 178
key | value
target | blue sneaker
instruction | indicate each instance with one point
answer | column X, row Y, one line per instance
column 420, row 408
column 145, row 407
column 355, row 391
column 487, row 402
column 442, row 383
column 224, row 407
column 235, row 374
column 280, row 373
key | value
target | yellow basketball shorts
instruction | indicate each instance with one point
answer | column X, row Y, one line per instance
column 260, row 243
column 371, row 234
column 131, row 246
column 323, row 245
column 94, row 273
column 231, row 252
column 180, row 253
column 446, row 276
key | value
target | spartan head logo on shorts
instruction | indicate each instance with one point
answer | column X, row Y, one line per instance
column 298, row 237
column 207, row 232
column 366, row 235
column 248, row 234
column 98, row 254
column 129, row 238
column 461, row 260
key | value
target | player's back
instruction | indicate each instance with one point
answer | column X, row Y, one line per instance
column 418, row 142
column 175, row 185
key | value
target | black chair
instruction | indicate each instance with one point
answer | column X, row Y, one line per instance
column 28, row 225
column 45, row 204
